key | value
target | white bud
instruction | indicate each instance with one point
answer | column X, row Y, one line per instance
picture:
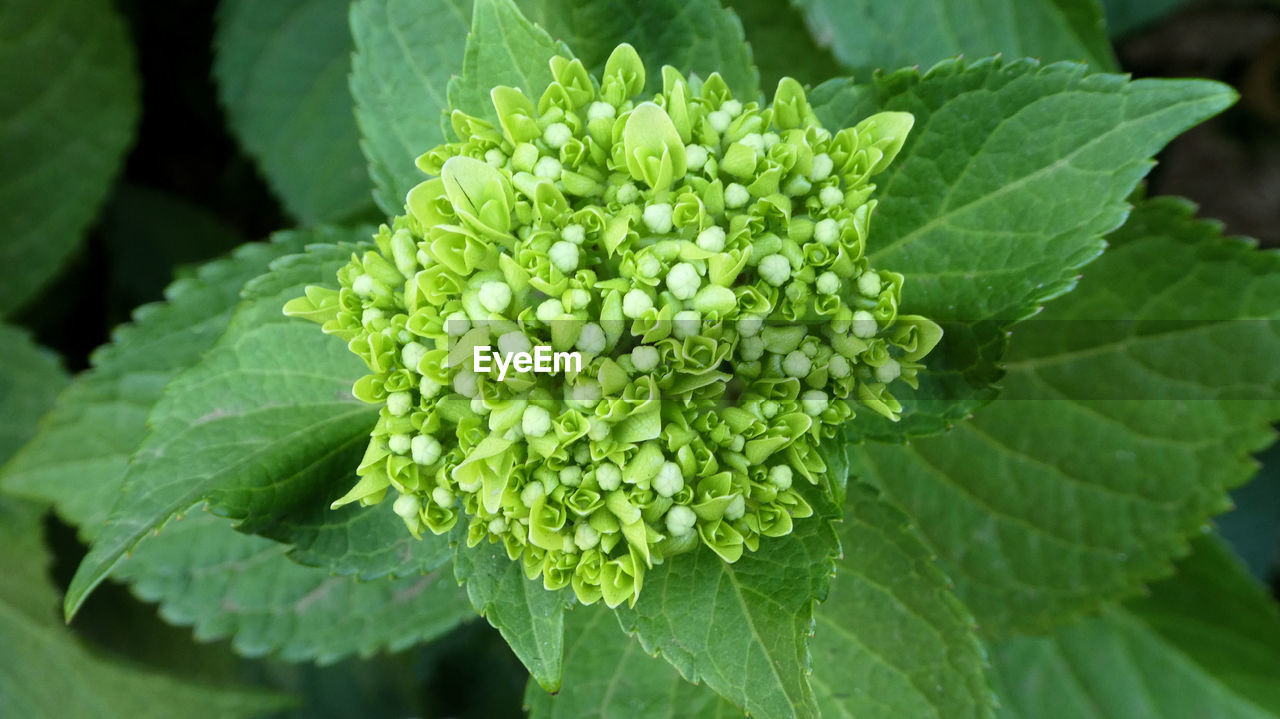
column 644, row 357
column 683, row 281
column 814, row 402
column 457, row 324
column 686, row 324
column 828, row 283
column 591, row 340
column 719, row 120
column 830, row 196
column 585, row 536
column 635, row 303
column 399, row 403
column 780, row 477
column 548, row 168
column 425, row 450
column 735, row 195
column 711, row 239
column 495, row 296
column 574, row 233
column 600, row 111
column 826, row 231
column 680, row 520
column 556, row 135
column 407, row 506
column 774, row 269
column 737, row 507
column 609, row 476
column 796, row 364
column 889, row 371
column 564, row 256
column 412, row 354
column 822, row 166
column 362, row 285
column 669, row 479
column 549, row 310
column 695, row 157
column 869, row 284
column 657, row 218
column 864, row 325
column 535, row 422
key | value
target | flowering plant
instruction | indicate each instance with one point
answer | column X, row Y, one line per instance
column 718, row 377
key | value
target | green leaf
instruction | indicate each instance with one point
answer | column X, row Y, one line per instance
column 529, row 617
column 81, row 451
column 137, row 229
column 227, row 584
column 1129, row 409
column 503, row 48
column 406, row 50
column 66, row 117
column 741, row 628
column 46, row 672
column 1009, row 180
column 1204, row 643
column 281, row 69
column 30, row 378
column 892, row 640
column 866, row 35
column 262, row 423
column 1126, row 16
column 1252, row 528
column 609, row 675
column 204, row 573
column 694, row 36
column 781, row 44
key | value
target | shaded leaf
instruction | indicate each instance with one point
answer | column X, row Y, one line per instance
column 1204, row 644
column 67, row 115
column 281, row 69
column 867, row 35
column 406, row 50
column 45, row 671
column 30, row 378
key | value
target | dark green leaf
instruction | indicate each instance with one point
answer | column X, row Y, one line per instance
column 867, row 35
column 66, row 117
column 1204, row 644
column 30, row 378
column 694, row 36
column 282, row 71
column 262, row 423
column 503, row 48
column 46, row 672
column 406, row 50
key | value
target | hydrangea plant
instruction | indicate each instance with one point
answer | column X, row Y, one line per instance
column 758, row 476
column 706, row 259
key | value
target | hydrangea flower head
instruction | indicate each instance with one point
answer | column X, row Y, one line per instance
column 702, row 255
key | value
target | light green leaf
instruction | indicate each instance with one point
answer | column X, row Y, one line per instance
column 866, row 35
column 694, row 36
column 264, row 422
column 66, row 117
column 892, row 640
column 1203, row 644
column 224, row 583
column 1129, row 409
column 609, row 675
column 503, row 48
column 30, row 378
column 529, row 617
column 1009, row 180
column 281, row 69
column 406, row 50
column 46, row 672
column 81, row 451
column 741, row 628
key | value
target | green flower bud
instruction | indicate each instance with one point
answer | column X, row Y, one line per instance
column 702, row 257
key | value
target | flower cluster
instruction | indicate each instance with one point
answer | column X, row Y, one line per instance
column 703, row 255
